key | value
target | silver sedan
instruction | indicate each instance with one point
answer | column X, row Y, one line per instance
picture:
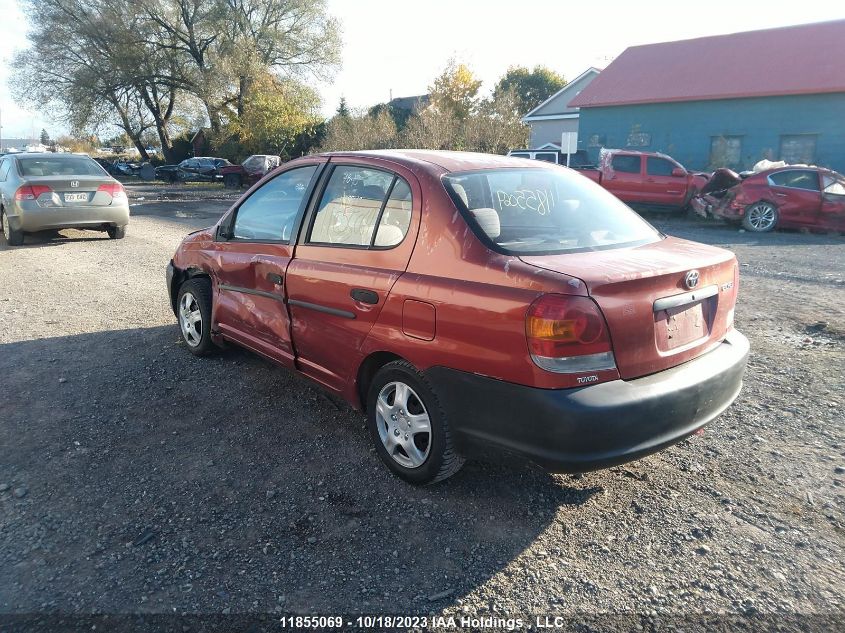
column 59, row 191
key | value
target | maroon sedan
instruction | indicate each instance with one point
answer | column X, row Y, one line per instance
column 468, row 302
column 787, row 197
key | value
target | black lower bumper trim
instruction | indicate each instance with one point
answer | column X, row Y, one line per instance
column 587, row 428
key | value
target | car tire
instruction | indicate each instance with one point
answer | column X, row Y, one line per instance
column 116, row 232
column 232, row 181
column 400, row 400
column 193, row 311
column 760, row 217
column 172, row 178
column 14, row 237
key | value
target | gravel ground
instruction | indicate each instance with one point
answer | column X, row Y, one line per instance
column 136, row 478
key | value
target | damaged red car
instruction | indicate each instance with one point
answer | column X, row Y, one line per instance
column 470, row 305
column 794, row 197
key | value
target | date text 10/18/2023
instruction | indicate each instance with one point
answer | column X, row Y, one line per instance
column 365, row 622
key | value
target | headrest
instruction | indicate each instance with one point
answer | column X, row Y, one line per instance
column 488, row 220
column 462, row 193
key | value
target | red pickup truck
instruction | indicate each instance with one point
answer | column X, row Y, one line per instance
column 646, row 178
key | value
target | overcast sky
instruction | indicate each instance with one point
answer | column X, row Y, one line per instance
column 400, row 46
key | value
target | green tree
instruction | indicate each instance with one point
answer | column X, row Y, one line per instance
column 342, row 108
column 455, row 90
column 45, row 137
column 278, row 114
column 530, row 87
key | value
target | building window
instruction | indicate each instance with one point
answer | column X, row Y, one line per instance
column 639, row 139
column 725, row 151
column 596, row 140
column 798, row 149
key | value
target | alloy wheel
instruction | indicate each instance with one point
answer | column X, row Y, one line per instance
column 403, row 424
column 761, row 216
column 190, row 319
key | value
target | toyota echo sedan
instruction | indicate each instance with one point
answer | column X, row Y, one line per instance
column 470, row 303
column 59, row 191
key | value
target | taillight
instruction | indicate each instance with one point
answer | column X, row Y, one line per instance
column 31, row 192
column 114, row 189
column 568, row 334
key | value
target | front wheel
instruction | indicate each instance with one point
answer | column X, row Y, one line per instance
column 193, row 309
column 760, row 217
column 408, row 426
column 14, row 237
column 116, row 232
column 232, row 181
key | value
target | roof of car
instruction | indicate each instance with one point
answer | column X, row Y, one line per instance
column 447, row 160
column 60, row 155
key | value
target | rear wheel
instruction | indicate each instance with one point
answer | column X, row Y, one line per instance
column 760, row 217
column 193, row 309
column 232, row 181
column 408, row 426
column 14, row 237
column 116, row 232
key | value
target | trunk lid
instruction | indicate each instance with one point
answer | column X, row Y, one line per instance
column 72, row 191
column 656, row 320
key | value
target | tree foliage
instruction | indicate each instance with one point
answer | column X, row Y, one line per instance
column 530, row 87
column 455, row 90
column 457, row 120
column 145, row 64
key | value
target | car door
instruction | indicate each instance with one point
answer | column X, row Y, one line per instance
column 660, row 186
column 623, row 178
column 253, row 249
column 360, row 234
column 797, row 194
column 832, row 212
column 187, row 169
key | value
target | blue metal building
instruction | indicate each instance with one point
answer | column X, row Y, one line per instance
column 725, row 101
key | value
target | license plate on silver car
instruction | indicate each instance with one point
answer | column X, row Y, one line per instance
column 76, row 197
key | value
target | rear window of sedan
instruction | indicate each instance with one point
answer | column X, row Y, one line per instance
column 545, row 211
column 75, row 166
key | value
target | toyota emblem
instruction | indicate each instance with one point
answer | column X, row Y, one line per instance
column 74, row 183
column 691, row 279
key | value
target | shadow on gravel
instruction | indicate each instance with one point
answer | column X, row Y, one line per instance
column 721, row 234
column 54, row 238
column 155, row 481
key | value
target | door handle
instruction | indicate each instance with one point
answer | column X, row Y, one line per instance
column 364, row 296
column 780, row 195
column 275, row 278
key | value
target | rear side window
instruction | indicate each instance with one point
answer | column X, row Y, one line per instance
column 356, row 202
column 797, row 179
column 658, row 167
column 626, row 164
column 70, row 166
column 545, row 211
column 549, row 157
column 269, row 214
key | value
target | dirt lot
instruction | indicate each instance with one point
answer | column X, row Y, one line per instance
column 135, row 478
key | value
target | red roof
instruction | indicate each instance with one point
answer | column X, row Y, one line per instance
column 791, row 60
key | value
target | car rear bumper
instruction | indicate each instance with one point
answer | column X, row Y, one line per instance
column 587, row 428
column 41, row 218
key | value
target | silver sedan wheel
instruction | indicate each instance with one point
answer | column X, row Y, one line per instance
column 403, row 424
column 190, row 319
column 761, row 216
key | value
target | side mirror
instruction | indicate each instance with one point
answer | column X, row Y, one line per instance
column 223, row 232
column 679, row 172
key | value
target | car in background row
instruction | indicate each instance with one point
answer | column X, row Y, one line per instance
column 250, row 171
column 198, row 169
column 792, row 196
column 646, row 179
column 470, row 303
column 58, row 191
column 577, row 160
